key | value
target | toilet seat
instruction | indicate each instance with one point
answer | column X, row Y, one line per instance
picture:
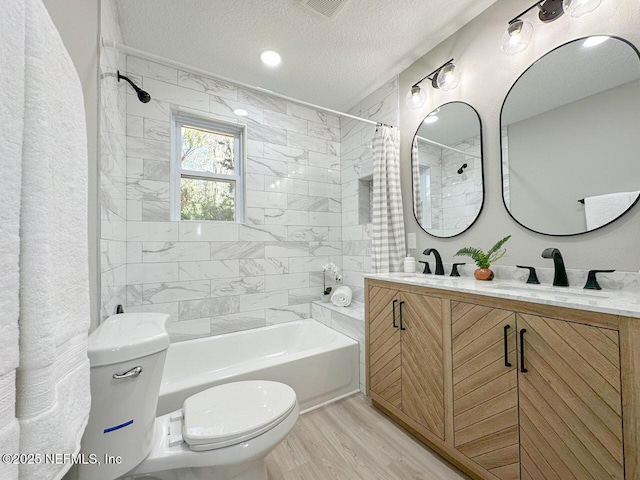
column 234, row 413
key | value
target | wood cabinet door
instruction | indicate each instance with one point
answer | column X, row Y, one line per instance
column 384, row 345
column 485, row 390
column 570, row 401
column 422, row 362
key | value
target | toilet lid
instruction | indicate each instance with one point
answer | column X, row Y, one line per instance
column 235, row 412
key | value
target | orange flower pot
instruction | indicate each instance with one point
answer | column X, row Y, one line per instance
column 485, row 274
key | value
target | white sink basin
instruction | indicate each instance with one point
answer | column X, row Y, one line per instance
column 546, row 289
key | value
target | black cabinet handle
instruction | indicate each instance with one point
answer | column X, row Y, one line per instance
column 523, row 369
column 401, row 327
column 506, row 346
column 394, row 314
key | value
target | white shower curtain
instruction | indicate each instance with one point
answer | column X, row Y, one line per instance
column 388, row 246
column 415, row 172
column 44, row 295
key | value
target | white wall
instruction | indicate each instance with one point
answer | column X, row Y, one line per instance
column 486, row 76
column 78, row 24
column 545, row 189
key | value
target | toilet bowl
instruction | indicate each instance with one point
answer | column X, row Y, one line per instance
column 221, row 433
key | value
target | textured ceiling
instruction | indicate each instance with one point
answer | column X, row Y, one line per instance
column 334, row 63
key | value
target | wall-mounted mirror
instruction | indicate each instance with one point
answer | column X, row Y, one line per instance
column 446, row 157
column 571, row 138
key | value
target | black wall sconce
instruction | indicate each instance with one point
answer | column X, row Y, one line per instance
column 445, row 77
column 518, row 35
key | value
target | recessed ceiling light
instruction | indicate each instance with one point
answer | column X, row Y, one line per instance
column 270, row 58
column 241, row 112
column 593, row 41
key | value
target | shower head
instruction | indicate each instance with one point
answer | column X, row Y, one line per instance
column 461, row 169
column 143, row 96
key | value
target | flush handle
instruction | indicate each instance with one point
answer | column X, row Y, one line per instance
column 134, row 372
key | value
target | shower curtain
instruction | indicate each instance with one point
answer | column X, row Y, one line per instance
column 388, row 247
column 417, row 194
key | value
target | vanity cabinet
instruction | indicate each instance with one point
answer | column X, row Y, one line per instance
column 507, row 389
column 570, row 400
column 485, row 387
column 405, row 360
column 383, row 347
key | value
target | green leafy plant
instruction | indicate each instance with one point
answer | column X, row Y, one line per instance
column 327, row 290
column 482, row 259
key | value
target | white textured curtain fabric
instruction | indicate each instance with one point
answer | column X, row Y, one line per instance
column 388, row 246
column 415, row 171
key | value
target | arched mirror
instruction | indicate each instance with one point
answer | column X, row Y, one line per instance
column 571, row 138
column 448, row 183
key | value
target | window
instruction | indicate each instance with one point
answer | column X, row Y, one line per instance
column 208, row 171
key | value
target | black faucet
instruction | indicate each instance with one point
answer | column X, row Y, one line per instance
column 439, row 266
column 560, row 275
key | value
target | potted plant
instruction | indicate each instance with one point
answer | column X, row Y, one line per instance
column 484, row 260
column 335, row 271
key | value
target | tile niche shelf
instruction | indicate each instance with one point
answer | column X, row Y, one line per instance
column 365, row 200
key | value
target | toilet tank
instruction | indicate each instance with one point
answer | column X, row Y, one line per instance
column 127, row 353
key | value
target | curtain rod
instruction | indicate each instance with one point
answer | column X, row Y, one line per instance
column 182, row 66
column 442, row 145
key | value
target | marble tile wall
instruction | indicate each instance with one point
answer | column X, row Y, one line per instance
column 113, row 203
column 217, row 278
column 461, row 194
column 455, row 199
column 357, row 163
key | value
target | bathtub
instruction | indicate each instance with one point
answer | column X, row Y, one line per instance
column 320, row 364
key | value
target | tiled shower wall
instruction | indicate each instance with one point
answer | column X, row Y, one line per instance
column 113, row 204
column 218, row 278
column 461, row 193
column 357, row 170
column 455, row 198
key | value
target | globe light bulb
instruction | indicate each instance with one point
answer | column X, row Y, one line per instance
column 416, row 98
column 578, row 8
column 517, row 37
column 448, row 77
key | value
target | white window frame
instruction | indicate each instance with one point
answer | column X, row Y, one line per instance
column 177, row 172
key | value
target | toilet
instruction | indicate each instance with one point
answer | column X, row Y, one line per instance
column 221, row 433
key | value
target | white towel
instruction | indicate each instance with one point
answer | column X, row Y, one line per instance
column 12, row 23
column 342, row 296
column 53, row 375
column 602, row 209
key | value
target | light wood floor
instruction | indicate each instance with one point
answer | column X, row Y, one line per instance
column 350, row 439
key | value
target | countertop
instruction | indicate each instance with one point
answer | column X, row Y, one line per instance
column 613, row 302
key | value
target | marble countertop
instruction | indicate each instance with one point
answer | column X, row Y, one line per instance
column 355, row 310
column 614, row 302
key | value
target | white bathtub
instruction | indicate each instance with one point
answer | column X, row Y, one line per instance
column 319, row 363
